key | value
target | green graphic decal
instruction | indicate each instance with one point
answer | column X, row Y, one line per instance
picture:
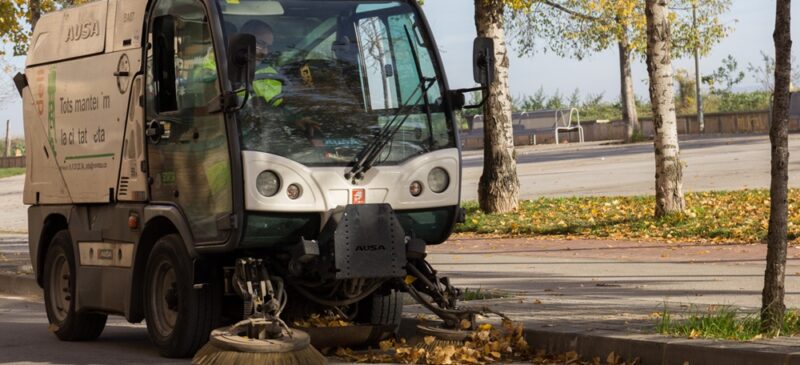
column 81, row 157
column 51, row 108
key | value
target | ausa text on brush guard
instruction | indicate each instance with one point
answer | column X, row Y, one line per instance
column 203, row 163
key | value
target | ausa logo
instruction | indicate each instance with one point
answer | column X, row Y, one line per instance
column 81, row 31
column 370, row 248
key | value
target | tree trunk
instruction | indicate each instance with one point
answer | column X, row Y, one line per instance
column 669, row 168
column 35, row 10
column 772, row 305
column 498, row 189
column 629, row 114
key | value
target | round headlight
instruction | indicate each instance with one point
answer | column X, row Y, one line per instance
column 268, row 183
column 438, row 180
column 415, row 188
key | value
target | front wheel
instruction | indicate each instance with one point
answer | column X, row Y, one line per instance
column 179, row 317
column 59, row 294
column 382, row 309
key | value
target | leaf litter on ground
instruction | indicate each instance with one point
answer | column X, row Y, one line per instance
column 326, row 319
column 486, row 345
column 710, row 217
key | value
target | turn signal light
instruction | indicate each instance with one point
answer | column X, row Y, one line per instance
column 133, row 221
column 415, row 189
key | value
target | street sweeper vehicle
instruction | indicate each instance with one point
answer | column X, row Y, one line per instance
column 240, row 165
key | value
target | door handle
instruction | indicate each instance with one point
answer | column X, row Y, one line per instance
column 154, row 131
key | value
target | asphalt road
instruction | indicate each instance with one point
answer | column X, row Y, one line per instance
column 729, row 163
column 24, row 339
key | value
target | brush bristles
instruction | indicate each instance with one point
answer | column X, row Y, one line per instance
column 212, row 355
column 438, row 343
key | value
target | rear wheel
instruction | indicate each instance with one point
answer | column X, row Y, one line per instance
column 59, row 294
column 179, row 317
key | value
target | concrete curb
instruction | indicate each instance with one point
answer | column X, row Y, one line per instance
column 655, row 349
column 22, row 285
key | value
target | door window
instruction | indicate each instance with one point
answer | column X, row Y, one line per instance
column 189, row 161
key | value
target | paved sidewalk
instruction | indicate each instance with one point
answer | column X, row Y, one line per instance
column 601, row 270
column 13, row 214
column 14, row 254
column 598, row 296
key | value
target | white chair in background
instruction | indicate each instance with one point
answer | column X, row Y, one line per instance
column 566, row 123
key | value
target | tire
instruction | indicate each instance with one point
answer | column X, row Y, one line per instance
column 383, row 308
column 179, row 318
column 59, row 293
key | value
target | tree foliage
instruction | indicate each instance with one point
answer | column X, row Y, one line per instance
column 764, row 72
column 14, row 28
column 725, row 77
column 7, row 89
column 578, row 28
column 15, row 16
column 574, row 28
column 685, row 100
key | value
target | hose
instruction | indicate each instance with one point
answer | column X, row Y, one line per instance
column 336, row 303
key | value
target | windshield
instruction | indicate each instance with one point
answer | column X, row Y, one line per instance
column 331, row 74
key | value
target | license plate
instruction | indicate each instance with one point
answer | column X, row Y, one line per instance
column 359, row 196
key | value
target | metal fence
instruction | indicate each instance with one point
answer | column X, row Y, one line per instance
column 756, row 122
column 6, row 162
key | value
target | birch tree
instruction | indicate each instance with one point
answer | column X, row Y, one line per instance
column 498, row 188
column 772, row 304
column 669, row 168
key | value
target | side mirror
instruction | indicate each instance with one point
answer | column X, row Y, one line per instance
column 483, row 60
column 482, row 70
column 241, row 59
column 164, row 63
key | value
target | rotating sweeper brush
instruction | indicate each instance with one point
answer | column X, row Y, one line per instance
column 262, row 338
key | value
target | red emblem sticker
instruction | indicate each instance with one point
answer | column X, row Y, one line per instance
column 359, row 196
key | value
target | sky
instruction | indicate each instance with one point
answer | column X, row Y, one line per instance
column 454, row 29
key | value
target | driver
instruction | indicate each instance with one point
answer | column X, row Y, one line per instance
column 266, row 85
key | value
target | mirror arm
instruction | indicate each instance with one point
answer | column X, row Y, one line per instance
column 477, row 106
column 473, row 89
column 228, row 100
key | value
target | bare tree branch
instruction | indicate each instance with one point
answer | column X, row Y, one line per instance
column 571, row 12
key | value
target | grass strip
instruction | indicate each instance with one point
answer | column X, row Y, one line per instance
column 11, row 171
column 721, row 322
column 469, row 294
column 724, row 216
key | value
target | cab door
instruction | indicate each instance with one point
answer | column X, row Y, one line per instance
column 189, row 159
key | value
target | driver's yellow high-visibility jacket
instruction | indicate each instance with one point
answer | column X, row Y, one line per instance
column 268, row 89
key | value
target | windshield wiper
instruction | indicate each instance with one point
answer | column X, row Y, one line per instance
column 366, row 158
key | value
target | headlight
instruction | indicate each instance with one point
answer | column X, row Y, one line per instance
column 268, row 183
column 438, row 180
